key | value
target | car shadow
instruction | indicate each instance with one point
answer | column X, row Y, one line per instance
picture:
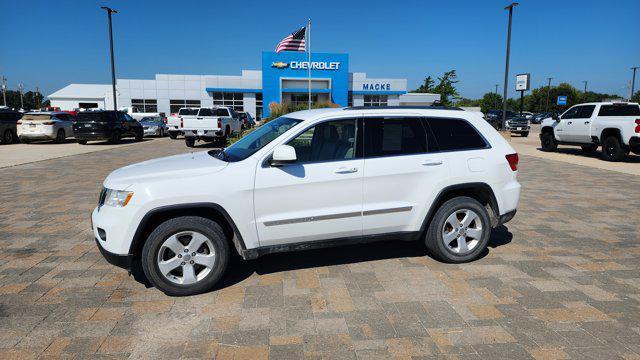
column 239, row 270
column 631, row 158
column 122, row 142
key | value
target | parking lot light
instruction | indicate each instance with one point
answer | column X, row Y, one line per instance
column 506, row 68
column 113, row 69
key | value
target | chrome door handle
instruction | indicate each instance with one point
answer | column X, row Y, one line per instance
column 569, row 123
column 344, row 170
column 587, row 122
column 199, row 118
column 432, row 162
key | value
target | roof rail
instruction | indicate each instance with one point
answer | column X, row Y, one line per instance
column 436, row 107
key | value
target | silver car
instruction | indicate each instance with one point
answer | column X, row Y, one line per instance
column 154, row 126
column 55, row 126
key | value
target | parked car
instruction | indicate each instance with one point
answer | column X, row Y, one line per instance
column 175, row 123
column 311, row 179
column 154, row 126
column 210, row 125
column 518, row 125
column 8, row 123
column 106, row 125
column 614, row 125
column 525, row 114
column 537, row 118
column 494, row 117
column 135, row 113
column 56, row 126
column 246, row 120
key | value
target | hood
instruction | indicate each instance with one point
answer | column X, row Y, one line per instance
column 171, row 167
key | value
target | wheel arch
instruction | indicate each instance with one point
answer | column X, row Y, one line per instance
column 211, row 211
column 477, row 190
column 611, row 131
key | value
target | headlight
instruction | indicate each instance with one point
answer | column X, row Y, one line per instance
column 117, row 198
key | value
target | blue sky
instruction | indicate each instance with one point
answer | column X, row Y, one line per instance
column 51, row 45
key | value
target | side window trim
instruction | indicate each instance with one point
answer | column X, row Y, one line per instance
column 359, row 141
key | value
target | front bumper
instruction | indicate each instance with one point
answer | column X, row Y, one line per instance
column 515, row 128
column 122, row 261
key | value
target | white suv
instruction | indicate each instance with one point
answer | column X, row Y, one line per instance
column 311, row 179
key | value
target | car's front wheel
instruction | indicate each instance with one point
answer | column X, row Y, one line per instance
column 548, row 142
column 185, row 255
column 173, row 135
column 459, row 231
column 189, row 141
column 60, row 137
column 7, row 137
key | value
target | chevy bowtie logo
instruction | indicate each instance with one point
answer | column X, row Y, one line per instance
column 280, row 65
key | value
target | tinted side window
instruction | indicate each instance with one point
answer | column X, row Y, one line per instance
column 394, row 136
column 619, row 110
column 205, row 112
column 585, row 112
column 455, row 134
column 222, row 112
column 571, row 113
column 331, row 140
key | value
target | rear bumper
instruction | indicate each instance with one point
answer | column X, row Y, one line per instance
column 92, row 136
column 203, row 134
column 122, row 261
column 36, row 136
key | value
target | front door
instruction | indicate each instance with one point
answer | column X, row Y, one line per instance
column 401, row 172
column 580, row 128
column 564, row 128
column 320, row 195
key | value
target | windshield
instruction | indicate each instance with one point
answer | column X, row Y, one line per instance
column 256, row 139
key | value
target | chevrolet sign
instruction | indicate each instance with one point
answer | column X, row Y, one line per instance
column 304, row 65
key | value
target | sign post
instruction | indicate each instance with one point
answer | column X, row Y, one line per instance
column 523, row 82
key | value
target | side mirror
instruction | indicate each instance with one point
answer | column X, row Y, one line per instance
column 283, row 154
column 555, row 117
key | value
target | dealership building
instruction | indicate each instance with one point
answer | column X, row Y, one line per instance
column 283, row 78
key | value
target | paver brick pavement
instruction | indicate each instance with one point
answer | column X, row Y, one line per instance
column 559, row 281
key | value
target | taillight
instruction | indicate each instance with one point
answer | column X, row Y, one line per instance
column 512, row 159
column 219, row 124
column 19, row 123
column 637, row 126
column 165, row 120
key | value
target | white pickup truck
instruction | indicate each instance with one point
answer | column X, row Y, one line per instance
column 175, row 121
column 614, row 125
column 135, row 113
column 211, row 124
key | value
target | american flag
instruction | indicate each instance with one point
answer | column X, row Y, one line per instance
column 293, row 42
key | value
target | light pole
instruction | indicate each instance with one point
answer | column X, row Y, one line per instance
column 585, row 86
column 113, row 68
column 20, row 87
column 633, row 80
column 506, row 68
column 546, row 108
column 4, row 91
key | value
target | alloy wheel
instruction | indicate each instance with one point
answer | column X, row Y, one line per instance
column 186, row 258
column 462, row 231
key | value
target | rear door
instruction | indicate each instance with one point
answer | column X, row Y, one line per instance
column 401, row 171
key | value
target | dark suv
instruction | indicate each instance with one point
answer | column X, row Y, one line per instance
column 106, row 125
column 8, row 120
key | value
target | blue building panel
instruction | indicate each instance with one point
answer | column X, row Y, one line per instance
column 293, row 65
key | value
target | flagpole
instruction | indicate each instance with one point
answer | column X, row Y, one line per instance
column 309, row 53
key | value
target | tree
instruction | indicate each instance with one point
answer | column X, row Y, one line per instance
column 490, row 101
column 426, row 87
column 636, row 97
column 446, row 87
column 31, row 99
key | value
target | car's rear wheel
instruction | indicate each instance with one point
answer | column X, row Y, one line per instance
column 612, row 149
column 161, row 132
column 459, row 231
column 60, row 137
column 7, row 137
column 548, row 142
column 185, row 255
column 139, row 136
column 115, row 137
column 589, row 148
column 190, row 142
column 173, row 135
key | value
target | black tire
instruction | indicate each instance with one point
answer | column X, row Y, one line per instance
column 190, row 142
column 173, row 135
column 81, row 142
column 589, row 149
column 60, row 137
column 139, row 136
column 116, row 136
column 524, row 134
column 7, row 137
column 612, row 149
column 434, row 237
column 548, row 143
column 161, row 133
column 210, row 229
